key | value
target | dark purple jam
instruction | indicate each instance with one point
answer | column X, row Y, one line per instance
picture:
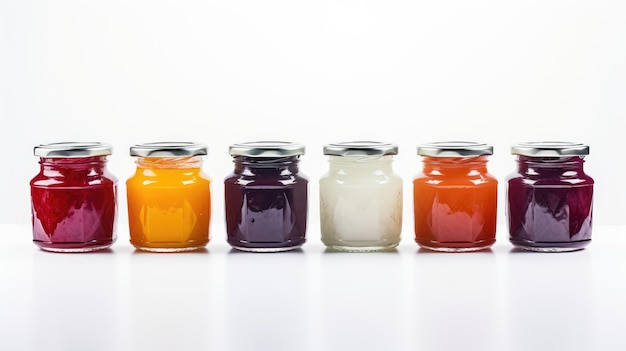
column 549, row 204
column 266, row 204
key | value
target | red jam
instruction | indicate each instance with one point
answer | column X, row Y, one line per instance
column 74, row 204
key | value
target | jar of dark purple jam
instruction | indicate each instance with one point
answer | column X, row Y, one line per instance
column 549, row 198
column 73, row 198
column 266, row 197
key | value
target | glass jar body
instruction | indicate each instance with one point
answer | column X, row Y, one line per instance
column 455, row 204
column 361, row 204
column 74, row 204
column 169, row 204
column 266, row 204
column 549, row 204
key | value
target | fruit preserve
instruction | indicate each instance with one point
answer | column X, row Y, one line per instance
column 73, row 198
column 549, row 197
column 455, row 197
column 169, row 197
column 266, row 197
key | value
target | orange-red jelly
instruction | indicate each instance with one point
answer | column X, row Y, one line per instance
column 455, row 197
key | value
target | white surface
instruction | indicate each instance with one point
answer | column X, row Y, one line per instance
column 220, row 72
column 313, row 300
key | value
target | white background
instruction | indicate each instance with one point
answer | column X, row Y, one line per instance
column 221, row 72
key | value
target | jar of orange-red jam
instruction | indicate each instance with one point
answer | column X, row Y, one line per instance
column 73, row 198
column 455, row 197
column 169, row 197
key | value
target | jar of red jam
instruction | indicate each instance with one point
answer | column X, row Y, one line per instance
column 266, row 197
column 73, row 198
column 549, row 197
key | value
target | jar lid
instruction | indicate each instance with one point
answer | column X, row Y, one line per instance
column 168, row 149
column 266, row 149
column 360, row 148
column 454, row 149
column 550, row 149
column 73, row 149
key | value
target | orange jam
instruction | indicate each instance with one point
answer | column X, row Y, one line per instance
column 169, row 198
column 455, row 197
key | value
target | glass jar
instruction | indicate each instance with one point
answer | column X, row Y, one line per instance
column 549, row 198
column 455, row 197
column 266, row 197
column 169, row 197
column 73, row 198
column 361, row 197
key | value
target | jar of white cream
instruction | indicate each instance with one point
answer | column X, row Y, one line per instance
column 361, row 197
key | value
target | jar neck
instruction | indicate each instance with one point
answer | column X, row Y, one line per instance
column 73, row 165
column 455, row 164
column 268, row 165
column 186, row 162
column 337, row 163
column 542, row 165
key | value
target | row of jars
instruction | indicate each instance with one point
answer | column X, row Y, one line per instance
column 549, row 197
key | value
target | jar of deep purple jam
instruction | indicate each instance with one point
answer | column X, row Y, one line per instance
column 73, row 198
column 266, row 197
column 549, row 198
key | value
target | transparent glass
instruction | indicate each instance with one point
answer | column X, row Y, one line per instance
column 169, row 204
column 266, row 204
column 74, row 204
column 549, row 204
column 455, row 204
column 361, row 204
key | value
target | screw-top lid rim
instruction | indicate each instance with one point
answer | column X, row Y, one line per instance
column 360, row 148
column 454, row 149
column 169, row 149
column 266, row 149
column 550, row 149
column 73, row 149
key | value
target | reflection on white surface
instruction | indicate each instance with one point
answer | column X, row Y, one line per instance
column 361, row 299
column 74, row 302
column 266, row 300
column 221, row 299
column 168, row 301
column 550, row 300
column 457, row 301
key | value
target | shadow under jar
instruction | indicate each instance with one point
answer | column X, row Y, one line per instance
column 266, row 197
column 361, row 197
column 73, row 198
column 549, row 197
column 169, row 197
column 455, row 198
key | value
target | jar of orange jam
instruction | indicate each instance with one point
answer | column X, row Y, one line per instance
column 169, row 197
column 455, row 197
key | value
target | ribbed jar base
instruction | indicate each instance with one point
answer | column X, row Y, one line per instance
column 73, row 247
column 169, row 249
column 266, row 249
column 456, row 246
column 551, row 246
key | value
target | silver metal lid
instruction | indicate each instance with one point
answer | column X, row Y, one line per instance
column 360, row 148
column 266, row 149
column 454, row 149
column 550, row 149
column 168, row 149
column 73, row 149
